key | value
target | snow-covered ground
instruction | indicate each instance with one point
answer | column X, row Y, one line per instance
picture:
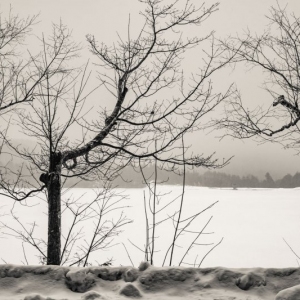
column 252, row 222
column 98, row 283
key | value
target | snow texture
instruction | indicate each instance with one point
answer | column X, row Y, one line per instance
column 36, row 297
column 79, row 280
column 130, row 290
column 144, row 265
column 292, row 293
column 92, row 295
column 250, row 280
column 164, row 283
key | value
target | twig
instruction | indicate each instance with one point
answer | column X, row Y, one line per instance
column 181, row 204
column 209, row 252
column 291, row 248
column 147, row 229
column 194, row 241
column 128, row 254
column 25, row 254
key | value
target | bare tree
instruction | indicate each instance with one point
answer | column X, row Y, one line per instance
column 91, row 226
column 22, row 73
column 17, row 78
column 153, row 106
column 157, row 217
column 16, row 85
column 276, row 53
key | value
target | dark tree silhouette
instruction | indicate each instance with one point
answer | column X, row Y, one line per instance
column 18, row 76
column 153, row 107
column 276, row 53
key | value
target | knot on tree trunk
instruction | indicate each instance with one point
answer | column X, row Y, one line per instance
column 44, row 178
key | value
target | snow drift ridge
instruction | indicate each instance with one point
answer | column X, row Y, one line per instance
column 55, row 282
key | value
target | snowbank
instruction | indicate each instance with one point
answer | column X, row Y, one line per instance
column 92, row 283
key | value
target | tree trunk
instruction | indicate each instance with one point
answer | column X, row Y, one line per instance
column 54, row 210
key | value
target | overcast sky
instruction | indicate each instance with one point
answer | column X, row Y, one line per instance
column 104, row 18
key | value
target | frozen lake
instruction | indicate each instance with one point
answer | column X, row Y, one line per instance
column 252, row 222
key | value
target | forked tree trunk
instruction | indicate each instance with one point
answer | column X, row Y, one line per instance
column 54, row 210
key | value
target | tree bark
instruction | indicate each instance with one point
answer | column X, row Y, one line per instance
column 54, row 209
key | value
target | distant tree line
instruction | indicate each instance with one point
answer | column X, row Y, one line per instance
column 218, row 179
column 132, row 178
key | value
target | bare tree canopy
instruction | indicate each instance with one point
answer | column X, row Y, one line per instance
column 145, row 121
column 155, row 104
column 276, row 53
column 17, row 78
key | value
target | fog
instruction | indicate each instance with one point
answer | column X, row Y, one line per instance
column 105, row 19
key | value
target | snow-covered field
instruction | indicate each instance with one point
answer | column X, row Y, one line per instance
column 252, row 222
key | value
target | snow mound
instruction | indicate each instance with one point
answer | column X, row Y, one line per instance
column 160, row 278
column 37, row 297
column 250, row 280
column 108, row 274
column 165, row 283
column 130, row 290
column 131, row 275
column 79, row 280
column 292, row 293
column 92, row 295
column 144, row 265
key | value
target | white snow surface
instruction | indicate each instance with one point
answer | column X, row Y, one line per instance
column 253, row 223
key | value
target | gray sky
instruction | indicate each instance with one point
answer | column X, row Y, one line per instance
column 105, row 18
